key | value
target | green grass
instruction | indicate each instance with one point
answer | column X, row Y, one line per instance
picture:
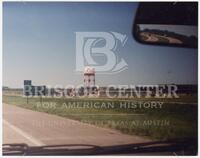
column 172, row 121
column 143, row 38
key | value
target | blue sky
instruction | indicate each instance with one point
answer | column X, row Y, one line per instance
column 39, row 43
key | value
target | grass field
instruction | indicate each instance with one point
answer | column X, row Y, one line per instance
column 143, row 117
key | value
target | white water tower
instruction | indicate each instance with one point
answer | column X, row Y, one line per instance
column 89, row 77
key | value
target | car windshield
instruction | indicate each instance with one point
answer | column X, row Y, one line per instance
column 75, row 81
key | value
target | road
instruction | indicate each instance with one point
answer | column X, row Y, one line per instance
column 38, row 129
column 155, row 38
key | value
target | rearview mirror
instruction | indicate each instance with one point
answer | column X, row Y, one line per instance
column 167, row 23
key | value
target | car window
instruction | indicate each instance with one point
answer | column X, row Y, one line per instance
column 76, row 75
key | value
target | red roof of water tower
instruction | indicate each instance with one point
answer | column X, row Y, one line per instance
column 89, row 71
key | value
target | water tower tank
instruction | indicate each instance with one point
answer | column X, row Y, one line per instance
column 89, row 77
